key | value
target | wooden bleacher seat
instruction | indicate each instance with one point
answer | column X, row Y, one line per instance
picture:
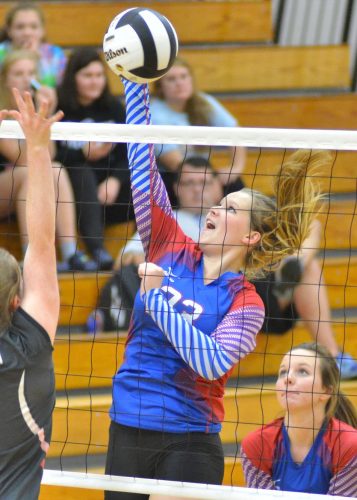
column 262, row 167
column 67, row 493
column 81, row 422
column 216, row 22
column 269, row 68
column 329, row 111
column 262, row 68
column 82, row 361
column 79, row 291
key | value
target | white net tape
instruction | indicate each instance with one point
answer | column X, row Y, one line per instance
column 200, row 136
column 168, row 488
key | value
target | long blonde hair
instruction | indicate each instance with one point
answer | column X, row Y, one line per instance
column 284, row 222
column 11, row 58
column 10, row 286
column 197, row 107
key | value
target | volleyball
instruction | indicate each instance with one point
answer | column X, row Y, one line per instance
column 140, row 45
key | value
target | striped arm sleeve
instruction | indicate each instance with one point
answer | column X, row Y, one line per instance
column 147, row 186
column 344, row 482
column 254, row 477
column 209, row 356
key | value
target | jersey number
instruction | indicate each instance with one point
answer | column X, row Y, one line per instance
column 194, row 310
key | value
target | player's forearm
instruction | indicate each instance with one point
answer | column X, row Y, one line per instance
column 207, row 357
column 344, row 483
column 147, row 186
column 40, row 199
column 254, row 477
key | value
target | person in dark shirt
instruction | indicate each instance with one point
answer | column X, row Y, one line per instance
column 29, row 310
column 98, row 171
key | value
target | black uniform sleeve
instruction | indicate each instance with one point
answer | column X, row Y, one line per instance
column 27, row 335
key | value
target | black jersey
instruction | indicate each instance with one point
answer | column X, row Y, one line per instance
column 27, row 398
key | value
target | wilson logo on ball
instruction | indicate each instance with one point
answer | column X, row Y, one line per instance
column 145, row 41
column 111, row 54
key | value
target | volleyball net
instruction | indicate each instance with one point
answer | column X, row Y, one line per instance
column 85, row 364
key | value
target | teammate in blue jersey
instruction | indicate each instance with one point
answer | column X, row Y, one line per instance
column 195, row 316
column 313, row 449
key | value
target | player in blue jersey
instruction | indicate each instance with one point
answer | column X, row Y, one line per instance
column 29, row 309
column 195, row 315
column 313, row 449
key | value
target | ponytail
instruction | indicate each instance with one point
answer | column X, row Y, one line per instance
column 284, row 223
column 344, row 410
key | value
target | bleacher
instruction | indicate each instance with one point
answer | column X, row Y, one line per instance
column 230, row 46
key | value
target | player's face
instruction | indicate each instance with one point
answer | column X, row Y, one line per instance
column 26, row 30
column 20, row 73
column 197, row 189
column 299, row 385
column 177, row 85
column 228, row 224
column 90, row 82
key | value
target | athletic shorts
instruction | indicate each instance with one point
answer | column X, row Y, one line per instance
column 191, row 457
column 276, row 320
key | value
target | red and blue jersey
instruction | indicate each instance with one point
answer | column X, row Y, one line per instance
column 185, row 337
column 328, row 468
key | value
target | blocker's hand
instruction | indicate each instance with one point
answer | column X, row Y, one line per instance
column 35, row 124
column 151, row 276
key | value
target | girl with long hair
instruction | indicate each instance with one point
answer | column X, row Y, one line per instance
column 313, row 448
column 98, row 171
column 195, row 315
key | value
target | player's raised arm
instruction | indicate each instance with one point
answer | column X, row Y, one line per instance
column 40, row 294
column 151, row 202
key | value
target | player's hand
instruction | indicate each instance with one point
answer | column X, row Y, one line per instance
column 151, row 276
column 108, row 190
column 35, row 124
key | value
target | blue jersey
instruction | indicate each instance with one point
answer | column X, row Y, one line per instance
column 328, row 468
column 185, row 337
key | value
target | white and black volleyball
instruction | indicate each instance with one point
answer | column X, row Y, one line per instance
column 140, row 45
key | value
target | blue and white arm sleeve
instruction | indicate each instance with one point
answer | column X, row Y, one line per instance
column 209, row 356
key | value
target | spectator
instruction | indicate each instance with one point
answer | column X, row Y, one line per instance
column 98, row 171
column 295, row 291
column 28, row 321
column 25, row 29
column 176, row 101
column 313, row 448
column 18, row 69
